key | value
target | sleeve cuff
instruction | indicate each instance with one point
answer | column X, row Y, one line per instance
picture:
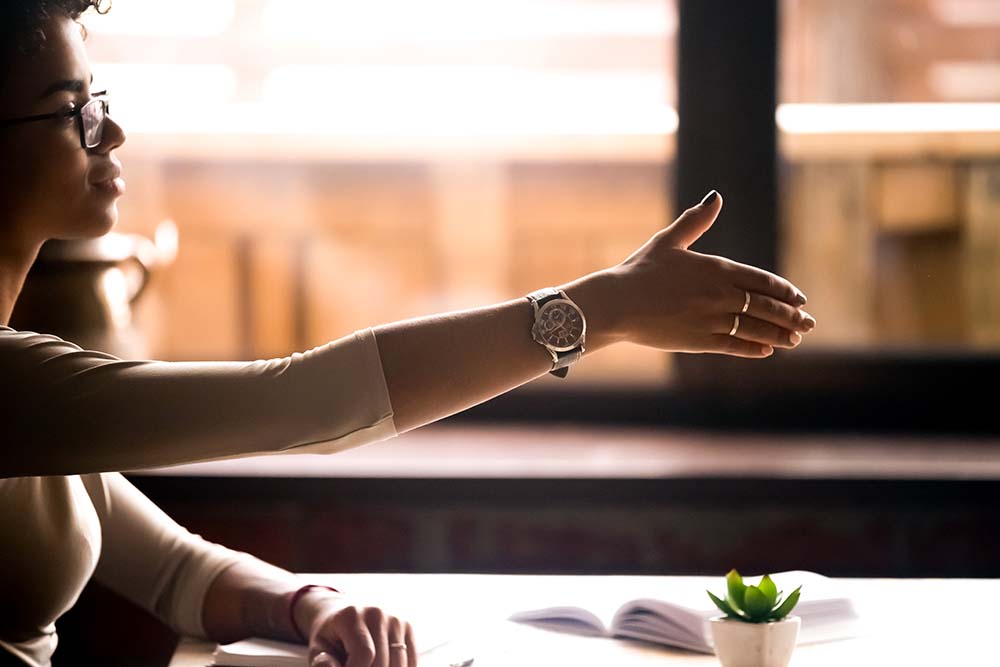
column 206, row 563
column 373, row 393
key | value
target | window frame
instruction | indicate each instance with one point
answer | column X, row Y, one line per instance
column 727, row 59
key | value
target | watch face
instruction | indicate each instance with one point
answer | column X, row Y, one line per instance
column 560, row 325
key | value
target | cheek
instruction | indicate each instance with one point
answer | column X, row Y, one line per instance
column 44, row 189
column 22, row 177
column 62, row 188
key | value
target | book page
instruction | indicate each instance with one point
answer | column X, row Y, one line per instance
column 586, row 600
column 254, row 652
column 663, row 622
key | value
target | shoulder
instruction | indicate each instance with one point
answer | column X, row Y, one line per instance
column 14, row 343
column 28, row 352
column 35, row 368
column 14, row 338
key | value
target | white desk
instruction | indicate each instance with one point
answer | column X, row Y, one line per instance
column 916, row 622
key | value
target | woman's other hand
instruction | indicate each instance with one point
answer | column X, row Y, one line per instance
column 344, row 634
column 672, row 298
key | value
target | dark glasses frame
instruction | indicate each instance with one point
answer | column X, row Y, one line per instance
column 98, row 98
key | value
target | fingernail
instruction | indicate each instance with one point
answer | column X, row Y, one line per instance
column 709, row 198
column 767, row 350
column 795, row 338
column 800, row 299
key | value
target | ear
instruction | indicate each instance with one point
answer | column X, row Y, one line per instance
column 694, row 222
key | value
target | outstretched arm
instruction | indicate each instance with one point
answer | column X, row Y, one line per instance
column 663, row 296
column 72, row 411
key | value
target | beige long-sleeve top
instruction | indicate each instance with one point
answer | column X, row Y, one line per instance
column 72, row 417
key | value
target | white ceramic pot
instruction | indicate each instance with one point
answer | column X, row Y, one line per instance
column 739, row 644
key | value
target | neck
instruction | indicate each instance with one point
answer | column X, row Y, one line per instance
column 14, row 267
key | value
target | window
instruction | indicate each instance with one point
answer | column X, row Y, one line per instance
column 904, row 371
column 890, row 144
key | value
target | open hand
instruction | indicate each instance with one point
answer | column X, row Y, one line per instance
column 680, row 300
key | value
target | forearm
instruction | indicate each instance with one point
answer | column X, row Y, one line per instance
column 439, row 365
column 252, row 599
column 249, row 599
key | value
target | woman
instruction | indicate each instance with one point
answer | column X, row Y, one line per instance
column 74, row 417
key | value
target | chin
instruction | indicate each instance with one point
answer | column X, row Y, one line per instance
column 92, row 226
column 104, row 221
column 108, row 225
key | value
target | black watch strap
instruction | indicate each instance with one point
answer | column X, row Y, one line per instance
column 565, row 360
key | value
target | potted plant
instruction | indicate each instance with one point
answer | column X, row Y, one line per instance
column 755, row 630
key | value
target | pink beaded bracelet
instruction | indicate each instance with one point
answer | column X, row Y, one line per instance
column 291, row 608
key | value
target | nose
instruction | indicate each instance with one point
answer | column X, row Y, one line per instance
column 113, row 136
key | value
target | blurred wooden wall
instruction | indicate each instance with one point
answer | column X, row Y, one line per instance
column 276, row 257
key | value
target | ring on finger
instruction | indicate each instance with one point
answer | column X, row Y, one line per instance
column 736, row 325
column 399, row 645
column 746, row 302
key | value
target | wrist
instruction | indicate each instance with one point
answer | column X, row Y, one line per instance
column 306, row 604
column 597, row 295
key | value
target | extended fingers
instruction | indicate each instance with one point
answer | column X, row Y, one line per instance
column 764, row 282
column 751, row 329
column 758, row 325
column 738, row 347
column 776, row 312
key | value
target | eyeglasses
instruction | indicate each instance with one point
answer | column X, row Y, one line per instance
column 89, row 119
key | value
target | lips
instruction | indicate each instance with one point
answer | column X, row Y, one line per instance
column 106, row 176
column 108, row 181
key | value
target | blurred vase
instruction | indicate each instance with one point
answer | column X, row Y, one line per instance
column 84, row 290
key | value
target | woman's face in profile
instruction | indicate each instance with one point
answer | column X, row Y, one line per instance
column 47, row 178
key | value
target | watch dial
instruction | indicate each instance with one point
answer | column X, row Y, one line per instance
column 560, row 325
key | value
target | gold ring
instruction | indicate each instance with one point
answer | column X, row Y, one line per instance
column 736, row 325
column 746, row 302
column 399, row 645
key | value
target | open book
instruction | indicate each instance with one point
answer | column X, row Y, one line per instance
column 677, row 614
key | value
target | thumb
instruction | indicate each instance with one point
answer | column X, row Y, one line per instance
column 324, row 659
column 694, row 222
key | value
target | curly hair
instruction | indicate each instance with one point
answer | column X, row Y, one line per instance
column 22, row 31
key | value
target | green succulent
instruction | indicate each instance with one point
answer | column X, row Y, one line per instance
column 754, row 604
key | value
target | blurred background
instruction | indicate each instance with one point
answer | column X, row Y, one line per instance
column 433, row 155
column 297, row 170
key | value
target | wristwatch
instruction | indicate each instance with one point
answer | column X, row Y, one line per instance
column 560, row 327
